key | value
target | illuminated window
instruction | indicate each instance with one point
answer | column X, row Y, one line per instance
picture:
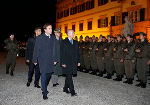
column 66, row 12
column 134, row 16
column 117, row 20
column 73, row 27
column 81, row 27
column 90, row 25
column 66, row 28
column 102, row 2
column 103, row 22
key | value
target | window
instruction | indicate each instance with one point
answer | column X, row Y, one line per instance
column 90, row 25
column 103, row 22
column 102, row 2
column 134, row 16
column 73, row 27
column 66, row 28
column 117, row 20
column 81, row 27
column 66, row 12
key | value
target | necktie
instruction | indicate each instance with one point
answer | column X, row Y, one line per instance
column 71, row 42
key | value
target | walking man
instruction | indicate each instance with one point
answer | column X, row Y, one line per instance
column 45, row 54
column 70, row 59
column 12, row 51
column 29, row 57
column 57, row 68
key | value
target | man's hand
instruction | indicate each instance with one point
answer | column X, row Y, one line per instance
column 148, row 62
column 79, row 64
column 102, row 58
column 105, row 49
column 133, row 61
column 121, row 60
column 35, row 63
column 137, row 50
column 63, row 65
column 126, row 50
column 27, row 61
column 55, row 63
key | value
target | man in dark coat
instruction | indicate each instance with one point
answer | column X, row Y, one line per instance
column 12, row 51
column 70, row 59
column 57, row 68
column 45, row 54
column 29, row 57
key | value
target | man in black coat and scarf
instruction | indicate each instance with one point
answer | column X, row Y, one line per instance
column 70, row 59
column 45, row 55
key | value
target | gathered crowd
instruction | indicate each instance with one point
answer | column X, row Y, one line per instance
column 125, row 56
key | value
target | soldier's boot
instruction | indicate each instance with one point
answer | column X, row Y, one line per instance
column 7, row 72
column 109, row 76
column 101, row 74
column 143, row 85
column 87, row 71
column 130, row 81
column 11, row 73
column 90, row 72
column 138, row 85
column 97, row 72
column 94, row 72
column 117, row 78
column 126, row 81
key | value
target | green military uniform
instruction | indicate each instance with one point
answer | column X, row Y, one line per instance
column 93, row 60
column 129, row 65
column 100, row 60
column 142, row 59
column 86, row 55
column 12, row 51
column 81, row 45
column 119, row 66
column 108, row 55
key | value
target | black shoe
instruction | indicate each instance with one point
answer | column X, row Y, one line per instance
column 74, row 94
column 28, row 84
column 143, row 85
column 74, row 75
column 116, row 79
column 138, row 80
column 66, row 91
column 45, row 97
column 11, row 73
column 126, row 81
column 37, row 86
column 54, row 85
column 7, row 72
column 130, row 81
column 138, row 85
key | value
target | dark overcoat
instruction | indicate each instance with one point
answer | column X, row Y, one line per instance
column 45, row 53
column 70, row 56
column 30, row 48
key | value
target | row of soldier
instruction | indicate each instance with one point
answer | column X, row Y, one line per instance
column 123, row 55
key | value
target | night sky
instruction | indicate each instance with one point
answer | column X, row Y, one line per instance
column 22, row 16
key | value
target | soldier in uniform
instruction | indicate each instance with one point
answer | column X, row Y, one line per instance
column 100, row 55
column 57, row 68
column 129, row 59
column 108, row 57
column 12, row 51
column 142, row 54
column 86, row 54
column 118, row 59
column 92, row 48
column 81, row 43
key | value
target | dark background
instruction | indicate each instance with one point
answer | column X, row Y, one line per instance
column 22, row 16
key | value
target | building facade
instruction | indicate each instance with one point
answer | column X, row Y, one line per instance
column 106, row 17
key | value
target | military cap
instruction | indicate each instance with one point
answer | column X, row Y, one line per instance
column 57, row 30
column 11, row 34
column 142, row 33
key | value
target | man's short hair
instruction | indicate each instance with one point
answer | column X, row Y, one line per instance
column 37, row 28
column 46, row 25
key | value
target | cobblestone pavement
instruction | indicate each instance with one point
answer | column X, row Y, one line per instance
column 92, row 90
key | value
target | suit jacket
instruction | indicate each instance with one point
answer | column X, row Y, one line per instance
column 70, row 56
column 30, row 49
column 45, row 53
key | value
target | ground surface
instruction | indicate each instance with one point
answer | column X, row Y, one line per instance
column 92, row 90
